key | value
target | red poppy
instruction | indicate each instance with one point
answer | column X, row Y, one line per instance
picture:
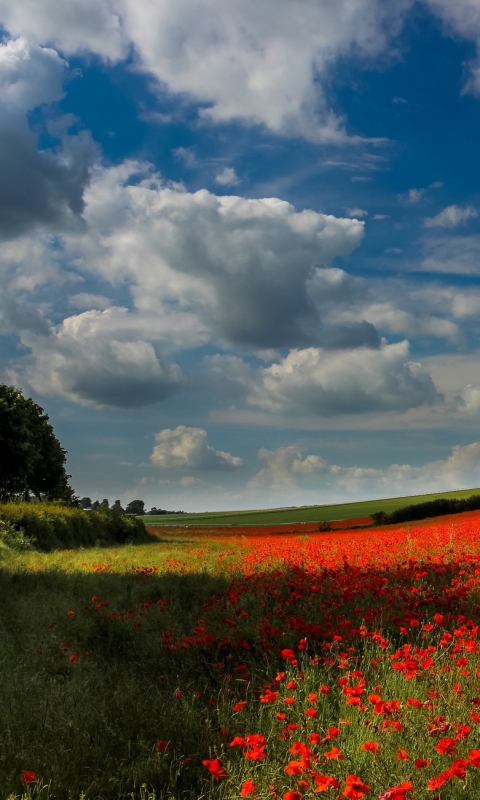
column 161, row 746
column 294, row 768
column 292, row 796
column 247, row 788
column 334, row 753
column 28, row 776
column 446, row 747
column 370, row 747
column 421, row 763
column 355, row 789
column 240, row 706
column 397, row 792
column 402, row 755
column 474, row 756
column 325, row 782
column 215, row 766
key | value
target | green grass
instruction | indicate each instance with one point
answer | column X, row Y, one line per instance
column 325, row 513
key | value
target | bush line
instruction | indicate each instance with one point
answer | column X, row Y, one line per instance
column 433, row 508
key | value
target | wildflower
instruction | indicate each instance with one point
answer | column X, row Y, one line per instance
column 215, row 767
column 311, row 712
column 294, row 768
column 421, row 763
column 28, row 776
column 474, row 756
column 354, row 788
column 161, row 746
column 325, row 782
column 240, row 706
column 446, row 747
column 248, row 787
column 370, row 747
column 334, row 753
column 397, row 792
column 402, row 755
column 292, row 796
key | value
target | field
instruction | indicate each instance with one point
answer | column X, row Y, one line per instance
column 216, row 665
column 325, row 513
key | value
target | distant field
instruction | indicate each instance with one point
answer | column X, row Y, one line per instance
column 277, row 516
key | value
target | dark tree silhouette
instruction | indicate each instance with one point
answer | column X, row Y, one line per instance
column 32, row 460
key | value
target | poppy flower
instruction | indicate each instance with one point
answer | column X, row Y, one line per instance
column 215, row 767
column 474, row 756
column 446, row 747
column 354, row 788
column 294, row 768
column 248, row 787
column 334, row 753
column 325, row 782
column 161, row 746
column 240, row 706
column 28, row 776
column 292, row 796
column 310, row 712
column 402, row 755
column 370, row 747
column 397, row 792
column 421, row 763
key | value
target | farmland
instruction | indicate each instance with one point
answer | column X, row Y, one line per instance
column 324, row 513
column 227, row 666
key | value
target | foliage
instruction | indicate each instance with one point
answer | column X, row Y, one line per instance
column 433, row 508
column 31, row 457
column 136, row 507
column 54, row 526
column 224, row 667
column 12, row 538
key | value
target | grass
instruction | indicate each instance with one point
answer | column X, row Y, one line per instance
column 324, row 513
column 164, row 671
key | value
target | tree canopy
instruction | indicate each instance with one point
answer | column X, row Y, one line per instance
column 32, row 460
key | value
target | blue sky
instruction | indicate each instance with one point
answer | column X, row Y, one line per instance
column 240, row 244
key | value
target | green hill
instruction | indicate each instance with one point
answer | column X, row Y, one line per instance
column 325, row 513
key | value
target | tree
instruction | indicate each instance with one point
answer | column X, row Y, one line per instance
column 85, row 502
column 117, row 506
column 136, row 507
column 32, row 460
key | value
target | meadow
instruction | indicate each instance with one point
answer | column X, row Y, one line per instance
column 215, row 665
column 324, row 513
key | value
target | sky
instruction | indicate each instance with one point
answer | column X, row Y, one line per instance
column 240, row 245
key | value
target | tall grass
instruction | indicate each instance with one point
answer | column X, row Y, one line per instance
column 140, row 666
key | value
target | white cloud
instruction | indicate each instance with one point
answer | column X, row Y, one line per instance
column 356, row 212
column 43, row 186
column 327, row 383
column 451, row 217
column 197, row 251
column 227, row 177
column 457, row 255
column 265, row 64
column 100, row 358
column 459, row 470
column 187, row 448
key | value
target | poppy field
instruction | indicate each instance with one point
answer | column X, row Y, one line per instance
column 344, row 664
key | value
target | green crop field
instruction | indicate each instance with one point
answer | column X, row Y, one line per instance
column 277, row 516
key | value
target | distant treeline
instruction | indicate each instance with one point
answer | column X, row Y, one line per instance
column 433, row 508
column 135, row 507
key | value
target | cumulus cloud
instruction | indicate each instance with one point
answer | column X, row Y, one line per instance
column 328, row 383
column 284, row 470
column 36, row 186
column 241, row 265
column 266, row 64
column 451, row 217
column 187, row 448
column 99, row 358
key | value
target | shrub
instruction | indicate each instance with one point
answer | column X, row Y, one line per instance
column 55, row 526
column 432, row 508
column 12, row 538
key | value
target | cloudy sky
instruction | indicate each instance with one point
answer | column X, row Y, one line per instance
column 240, row 244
